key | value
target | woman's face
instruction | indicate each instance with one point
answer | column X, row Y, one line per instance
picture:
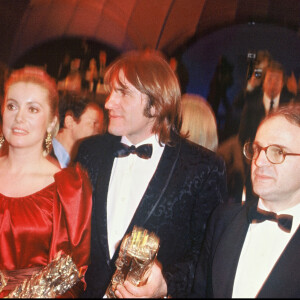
column 26, row 115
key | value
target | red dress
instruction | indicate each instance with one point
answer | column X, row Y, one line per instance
column 34, row 228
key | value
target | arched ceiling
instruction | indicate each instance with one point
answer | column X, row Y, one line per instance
column 166, row 25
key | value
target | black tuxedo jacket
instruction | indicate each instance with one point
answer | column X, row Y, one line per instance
column 189, row 182
column 254, row 112
column 222, row 247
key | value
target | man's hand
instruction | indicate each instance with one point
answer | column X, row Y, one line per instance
column 155, row 287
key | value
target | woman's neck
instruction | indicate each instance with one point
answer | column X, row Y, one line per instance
column 19, row 160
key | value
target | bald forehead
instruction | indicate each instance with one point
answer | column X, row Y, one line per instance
column 278, row 130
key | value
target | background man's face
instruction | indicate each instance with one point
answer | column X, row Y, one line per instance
column 273, row 83
column 90, row 123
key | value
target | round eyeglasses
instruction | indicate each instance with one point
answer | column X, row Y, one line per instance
column 274, row 153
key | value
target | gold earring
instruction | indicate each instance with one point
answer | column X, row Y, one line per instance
column 2, row 140
column 48, row 143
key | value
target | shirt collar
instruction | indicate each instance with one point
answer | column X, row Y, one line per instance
column 293, row 211
column 153, row 139
column 60, row 152
column 276, row 99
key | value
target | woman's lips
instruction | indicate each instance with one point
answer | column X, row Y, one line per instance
column 19, row 131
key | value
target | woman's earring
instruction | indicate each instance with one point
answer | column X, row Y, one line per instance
column 2, row 140
column 48, row 143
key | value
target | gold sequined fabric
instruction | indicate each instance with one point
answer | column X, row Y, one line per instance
column 53, row 280
column 137, row 253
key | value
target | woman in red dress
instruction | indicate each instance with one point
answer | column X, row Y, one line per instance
column 43, row 209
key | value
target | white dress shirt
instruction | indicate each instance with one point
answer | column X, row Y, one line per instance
column 267, row 102
column 61, row 153
column 129, row 180
column 263, row 245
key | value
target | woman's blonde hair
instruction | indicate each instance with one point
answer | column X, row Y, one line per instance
column 199, row 121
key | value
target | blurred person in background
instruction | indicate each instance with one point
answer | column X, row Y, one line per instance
column 91, row 75
column 64, row 67
column 259, row 105
column 199, row 121
column 73, row 82
column 80, row 117
column 254, row 82
column 255, row 73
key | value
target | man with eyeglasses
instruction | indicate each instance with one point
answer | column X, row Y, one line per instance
column 252, row 249
column 273, row 95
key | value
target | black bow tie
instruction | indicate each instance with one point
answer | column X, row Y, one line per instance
column 284, row 221
column 143, row 151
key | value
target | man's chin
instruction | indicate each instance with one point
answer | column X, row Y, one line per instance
column 261, row 190
column 115, row 131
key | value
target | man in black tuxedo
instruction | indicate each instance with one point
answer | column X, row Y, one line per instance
column 258, row 105
column 252, row 250
column 257, row 64
column 168, row 187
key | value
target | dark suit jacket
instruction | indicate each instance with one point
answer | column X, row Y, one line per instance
column 189, row 182
column 222, row 247
column 254, row 111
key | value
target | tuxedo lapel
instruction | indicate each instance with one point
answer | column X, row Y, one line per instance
column 157, row 186
column 227, row 255
column 103, row 179
column 155, row 189
column 284, row 279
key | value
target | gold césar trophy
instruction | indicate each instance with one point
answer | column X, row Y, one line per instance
column 53, row 280
column 136, row 257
